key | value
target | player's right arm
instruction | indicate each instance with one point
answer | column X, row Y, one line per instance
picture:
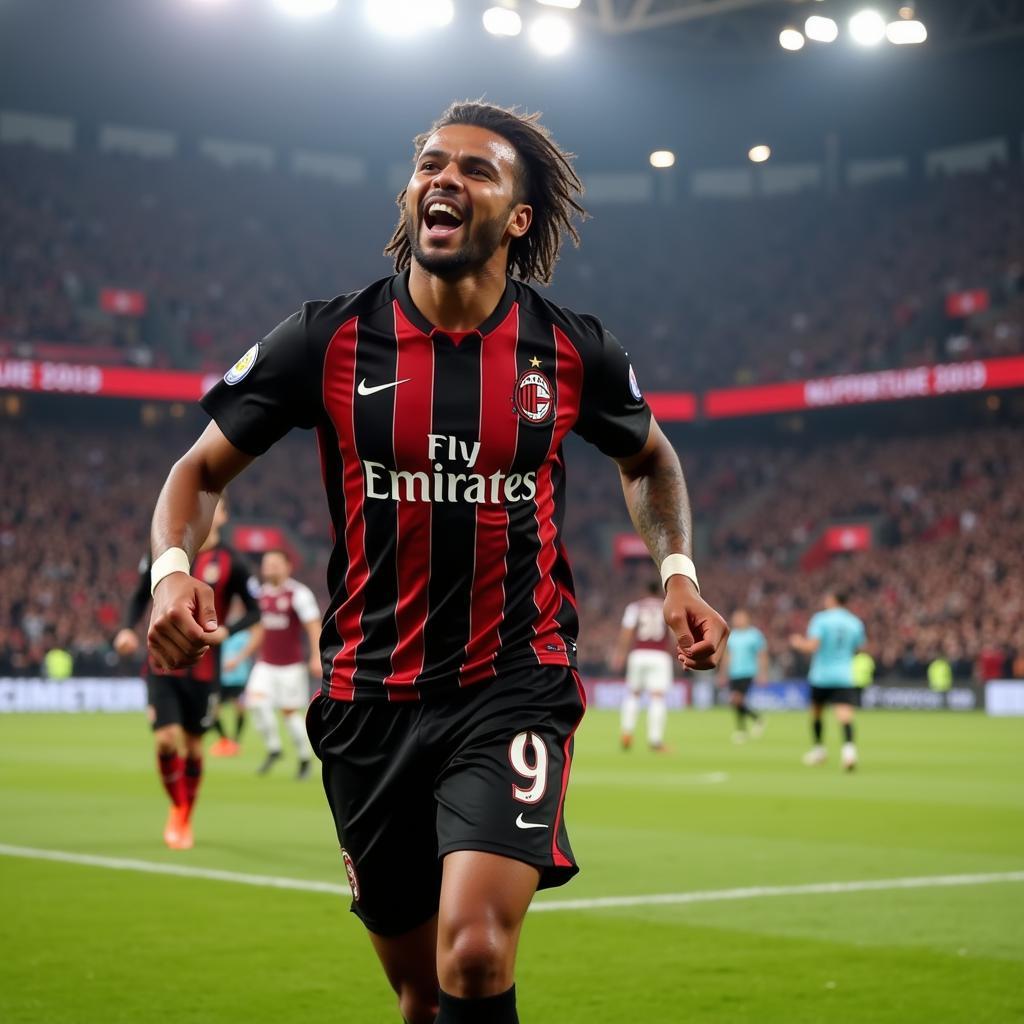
column 184, row 618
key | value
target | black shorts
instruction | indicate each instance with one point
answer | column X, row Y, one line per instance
column 740, row 686
column 182, row 700
column 229, row 691
column 836, row 695
column 408, row 783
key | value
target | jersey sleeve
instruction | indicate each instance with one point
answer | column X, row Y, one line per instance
column 240, row 587
column 305, row 604
column 630, row 616
column 140, row 598
column 613, row 413
column 273, row 387
column 816, row 628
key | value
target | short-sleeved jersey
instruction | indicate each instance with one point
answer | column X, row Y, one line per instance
column 744, row 646
column 235, row 644
column 442, row 462
column 284, row 612
column 227, row 575
column 646, row 618
column 839, row 634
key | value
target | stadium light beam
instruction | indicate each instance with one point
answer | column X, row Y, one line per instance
column 569, row 5
column 867, row 27
column 663, row 158
column 305, row 8
column 501, row 21
column 404, row 17
column 551, row 35
column 791, row 39
column 821, row 30
column 759, row 154
column 903, row 33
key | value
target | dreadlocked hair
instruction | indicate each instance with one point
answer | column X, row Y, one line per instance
column 548, row 183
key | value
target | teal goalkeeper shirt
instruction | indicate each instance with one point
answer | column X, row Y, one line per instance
column 744, row 645
column 840, row 634
column 232, row 646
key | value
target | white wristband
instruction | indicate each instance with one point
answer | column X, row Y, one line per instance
column 172, row 560
column 679, row 565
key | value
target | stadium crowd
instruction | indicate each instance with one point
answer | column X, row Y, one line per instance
column 712, row 293
column 945, row 574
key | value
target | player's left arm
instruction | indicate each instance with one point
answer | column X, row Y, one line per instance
column 762, row 665
column 659, row 505
column 308, row 612
column 625, row 641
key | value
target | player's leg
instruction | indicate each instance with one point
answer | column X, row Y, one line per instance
column 659, row 679
column 378, row 780
column 165, row 716
column 630, row 710
column 501, row 830
column 259, row 699
column 736, row 700
column 292, row 692
column 844, row 716
column 200, row 703
column 484, row 898
column 816, row 755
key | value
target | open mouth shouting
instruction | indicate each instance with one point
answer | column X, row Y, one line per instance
column 442, row 217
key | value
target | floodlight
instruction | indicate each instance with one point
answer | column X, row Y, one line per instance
column 305, row 8
column 903, row 33
column 758, row 154
column 403, row 17
column 500, row 21
column 551, row 34
column 569, row 5
column 791, row 39
column 867, row 27
column 662, row 158
column 821, row 30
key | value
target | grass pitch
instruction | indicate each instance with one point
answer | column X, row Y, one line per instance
column 936, row 795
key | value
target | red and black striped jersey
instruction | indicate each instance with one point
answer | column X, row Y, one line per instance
column 442, row 461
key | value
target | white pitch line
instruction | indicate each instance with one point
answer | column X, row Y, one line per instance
column 598, row 903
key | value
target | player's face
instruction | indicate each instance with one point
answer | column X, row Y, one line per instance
column 461, row 202
column 274, row 568
column 740, row 620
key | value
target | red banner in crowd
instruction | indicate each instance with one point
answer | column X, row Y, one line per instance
column 112, row 381
column 961, row 304
column 857, row 388
column 673, row 406
column 628, row 547
column 851, row 537
column 122, row 301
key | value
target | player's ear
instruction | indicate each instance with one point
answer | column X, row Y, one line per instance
column 520, row 220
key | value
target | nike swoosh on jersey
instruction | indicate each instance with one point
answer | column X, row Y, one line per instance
column 529, row 824
column 364, row 390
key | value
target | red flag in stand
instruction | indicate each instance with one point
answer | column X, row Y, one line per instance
column 122, row 301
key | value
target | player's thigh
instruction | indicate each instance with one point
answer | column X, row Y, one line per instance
column 259, row 688
column 291, row 687
column 378, row 779
column 410, row 963
column 658, row 677
column 504, row 790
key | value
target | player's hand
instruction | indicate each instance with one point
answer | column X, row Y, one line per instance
column 316, row 668
column 699, row 630
column 183, row 623
column 219, row 635
column 126, row 643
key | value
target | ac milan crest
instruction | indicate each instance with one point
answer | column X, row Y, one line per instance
column 534, row 398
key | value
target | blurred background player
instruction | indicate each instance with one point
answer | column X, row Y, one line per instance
column 834, row 636
column 280, row 677
column 183, row 703
column 232, row 689
column 643, row 651
column 746, row 659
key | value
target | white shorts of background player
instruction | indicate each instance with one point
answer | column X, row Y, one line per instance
column 649, row 671
column 285, row 687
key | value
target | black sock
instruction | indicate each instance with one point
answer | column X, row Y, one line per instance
column 499, row 1009
column 745, row 709
column 848, row 732
column 816, row 729
column 739, row 717
column 239, row 725
column 218, row 728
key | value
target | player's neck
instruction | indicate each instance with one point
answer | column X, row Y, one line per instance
column 460, row 305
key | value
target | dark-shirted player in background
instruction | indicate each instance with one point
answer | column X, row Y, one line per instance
column 745, row 661
column 183, row 702
column 441, row 397
column 642, row 651
column 834, row 636
column 290, row 620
